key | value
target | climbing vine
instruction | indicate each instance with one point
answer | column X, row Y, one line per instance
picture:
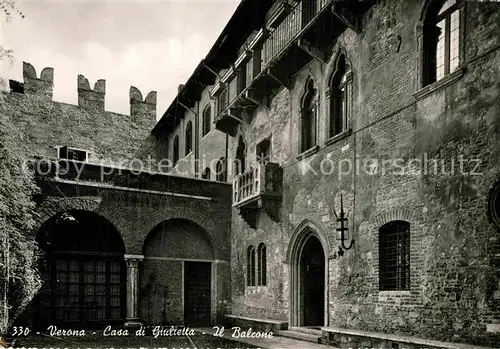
column 19, row 279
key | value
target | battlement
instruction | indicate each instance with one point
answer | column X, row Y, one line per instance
column 42, row 86
column 88, row 98
column 138, row 106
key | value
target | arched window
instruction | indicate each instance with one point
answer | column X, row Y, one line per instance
column 189, row 137
column 261, row 265
column 207, row 120
column 206, row 173
column 441, row 40
column 220, row 170
column 340, row 95
column 251, row 266
column 309, row 116
column 493, row 205
column 239, row 163
column 394, row 256
column 175, row 149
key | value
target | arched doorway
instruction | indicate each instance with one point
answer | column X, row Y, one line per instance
column 312, row 283
column 176, row 280
column 308, row 279
column 83, row 272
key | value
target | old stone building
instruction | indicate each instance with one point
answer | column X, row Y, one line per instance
column 112, row 234
column 388, row 109
column 361, row 141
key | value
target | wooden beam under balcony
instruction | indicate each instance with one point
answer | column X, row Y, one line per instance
column 351, row 13
column 312, row 50
column 254, row 97
column 282, row 79
column 228, row 121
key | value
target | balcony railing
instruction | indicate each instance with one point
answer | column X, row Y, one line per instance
column 48, row 169
column 245, row 85
column 232, row 90
column 286, row 32
column 262, row 180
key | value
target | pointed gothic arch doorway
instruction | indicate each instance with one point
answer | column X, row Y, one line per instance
column 308, row 280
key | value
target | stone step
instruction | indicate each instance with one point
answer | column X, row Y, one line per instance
column 308, row 330
column 307, row 337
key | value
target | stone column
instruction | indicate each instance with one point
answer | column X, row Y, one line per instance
column 132, row 262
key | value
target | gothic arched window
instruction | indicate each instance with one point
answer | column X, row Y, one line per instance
column 340, row 95
column 189, row 137
column 175, row 149
column 261, row 265
column 206, row 120
column 309, row 116
column 442, row 40
column 251, row 266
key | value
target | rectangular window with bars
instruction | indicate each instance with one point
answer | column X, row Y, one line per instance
column 394, row 256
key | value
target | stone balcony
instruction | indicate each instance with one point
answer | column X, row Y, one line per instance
column 258, row 189
column 50, row 172
column 283, row 47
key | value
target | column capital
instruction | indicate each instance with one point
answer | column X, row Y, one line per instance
column 133, row 260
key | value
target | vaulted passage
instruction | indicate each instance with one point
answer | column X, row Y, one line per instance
column 176, row 282
column 83, row 272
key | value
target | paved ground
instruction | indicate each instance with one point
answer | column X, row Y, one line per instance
column 268, row 343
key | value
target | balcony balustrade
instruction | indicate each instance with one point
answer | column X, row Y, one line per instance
column 292, row 26
column 51, row 171
column 259, row 188
column 299, row 31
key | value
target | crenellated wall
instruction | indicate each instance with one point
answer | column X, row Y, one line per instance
column 47, row 124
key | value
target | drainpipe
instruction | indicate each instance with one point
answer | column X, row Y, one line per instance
column 226, row 155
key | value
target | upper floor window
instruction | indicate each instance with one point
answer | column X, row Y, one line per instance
column 340, row 95
column 394, row 256
column 441, row 40
column 206, row 120
column 241, row 153
column 250, row 266
column 175, row 149
column 220, row 170
column 263, row 151
column 72, row 153
column 309, row 116
column 206, row 173
column 189, row 137
column 261, row 265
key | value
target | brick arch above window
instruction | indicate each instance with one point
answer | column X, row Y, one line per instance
column 395, row 214
column 51, row 206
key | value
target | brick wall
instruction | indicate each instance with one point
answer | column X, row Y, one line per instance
column 452, row 293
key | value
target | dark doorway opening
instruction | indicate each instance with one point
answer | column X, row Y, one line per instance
column 83, row 272
column 312, row 283
column 197, row 293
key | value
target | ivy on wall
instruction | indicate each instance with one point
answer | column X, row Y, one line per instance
column 19, row 279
